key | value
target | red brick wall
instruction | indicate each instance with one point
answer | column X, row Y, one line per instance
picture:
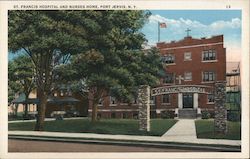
column 196, row 65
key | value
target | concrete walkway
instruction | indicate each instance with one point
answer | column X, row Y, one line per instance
column 183, row 130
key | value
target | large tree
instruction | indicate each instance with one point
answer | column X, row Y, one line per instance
column 49, row 38
column 21, row 77
column 116, row 64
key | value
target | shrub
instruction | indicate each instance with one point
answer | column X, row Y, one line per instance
column 168, row 114
column 205, row 114
column 233, row 116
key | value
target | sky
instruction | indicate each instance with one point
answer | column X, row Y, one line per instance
column 202, row 23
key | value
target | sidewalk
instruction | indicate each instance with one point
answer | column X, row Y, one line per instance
column 183, row 130
column 46, row 119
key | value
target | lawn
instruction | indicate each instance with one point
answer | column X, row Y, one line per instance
column 104, row 126
column 205, row 129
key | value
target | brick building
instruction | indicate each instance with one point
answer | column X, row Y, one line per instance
column 192, row 66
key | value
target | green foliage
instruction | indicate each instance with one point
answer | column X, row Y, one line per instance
column 168, row 114
column 115, row 62
column 233, row 116
column 205, row 114
column 106, row 48
column 21, row 76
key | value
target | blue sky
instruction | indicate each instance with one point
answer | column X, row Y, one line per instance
column 203, row 23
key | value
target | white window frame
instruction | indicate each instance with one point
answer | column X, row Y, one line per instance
column 187, row 56
column 188, row 74
column 100, row 103
column 208, row 74
column 152, row 100
column 208, row 102
column 164, row 80
column 208, row 53
column 169, row 57
column 112, row 99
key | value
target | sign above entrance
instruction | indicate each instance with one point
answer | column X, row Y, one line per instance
column 179, row 89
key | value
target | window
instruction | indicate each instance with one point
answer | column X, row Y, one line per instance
column 113, row 115
column 210, row 98
column 165, row 98
column 61, row 93
column 169, row 59
column 152, row 100
column 187, row 56
column 169, row 78
column 208, row 76
column 209, row 55
column 100, row 103
column 188, row 76
column 135, row 115
column 135, row 100
column 112, row 100
column 124, row 115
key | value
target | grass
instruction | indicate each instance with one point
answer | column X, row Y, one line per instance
column 105, row 126
column 205, row 129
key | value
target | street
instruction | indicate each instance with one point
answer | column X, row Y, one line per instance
column 16, row 145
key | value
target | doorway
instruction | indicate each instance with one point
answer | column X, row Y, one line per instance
column 188, row 100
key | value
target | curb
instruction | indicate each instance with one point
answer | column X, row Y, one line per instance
column 214, row 148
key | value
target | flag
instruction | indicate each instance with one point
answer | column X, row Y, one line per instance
column 163, row 25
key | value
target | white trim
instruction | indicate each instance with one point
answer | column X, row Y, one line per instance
column 115, row 110
column 169, row 64
column 195, row 100
column 182, row 47
column 209, row 103
column 209, row 61
column 180, row 104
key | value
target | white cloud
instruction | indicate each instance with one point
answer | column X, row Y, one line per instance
column 234, row 23
column 231, row 30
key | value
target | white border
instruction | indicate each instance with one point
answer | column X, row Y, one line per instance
column 140, row 4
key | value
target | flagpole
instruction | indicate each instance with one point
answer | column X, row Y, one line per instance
column 158, row 32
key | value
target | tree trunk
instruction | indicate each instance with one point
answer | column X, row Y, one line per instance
column 25, row 110
column 16, row 109
column 41, row 111
column 94, row 111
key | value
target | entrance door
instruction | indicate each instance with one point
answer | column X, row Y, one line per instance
column 187, row 100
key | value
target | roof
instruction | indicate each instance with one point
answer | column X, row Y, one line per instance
column 20, row 99
column 63, row 100
column 54, row 100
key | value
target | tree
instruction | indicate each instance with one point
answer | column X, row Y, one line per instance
column 49, row 38
column 115, row 65
column 21, row 78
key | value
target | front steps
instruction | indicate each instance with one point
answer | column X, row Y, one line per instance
column 187, row 113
